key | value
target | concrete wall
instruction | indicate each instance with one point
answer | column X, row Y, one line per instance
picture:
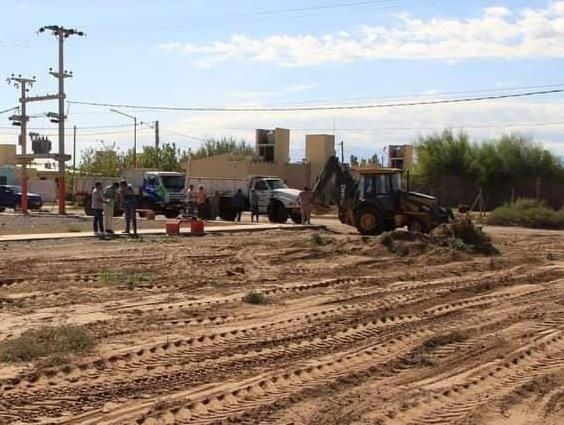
column 319, row 147
column 281, row 145
column 7, row 154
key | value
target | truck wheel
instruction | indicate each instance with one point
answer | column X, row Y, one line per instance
column 227, row 214
column 2, row 209
column 171, row 213
column 369, row 221
column 277, row 213
column 296, row 217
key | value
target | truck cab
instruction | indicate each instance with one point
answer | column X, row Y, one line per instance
column 163, row 191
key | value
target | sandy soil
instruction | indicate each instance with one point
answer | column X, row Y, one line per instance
column 353, row 334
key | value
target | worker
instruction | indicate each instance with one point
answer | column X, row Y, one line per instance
column 129, row 205
column 214, row 204
column 238, row 203
column 202, row 202
column 110, row 198
column 98, row 208
column 254, row 198
column 305, row 201
column 190, row 197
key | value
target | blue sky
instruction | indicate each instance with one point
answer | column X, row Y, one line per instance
column 268, row 53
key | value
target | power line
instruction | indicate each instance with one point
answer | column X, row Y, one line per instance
column 8, row 110
column 326, row 108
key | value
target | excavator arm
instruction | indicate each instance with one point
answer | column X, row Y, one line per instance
column 335, row 184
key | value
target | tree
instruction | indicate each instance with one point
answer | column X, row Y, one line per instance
column 167, row 158
column 212, row 147
column 107, row 161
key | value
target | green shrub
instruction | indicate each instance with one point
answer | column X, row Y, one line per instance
column 46, row 341
column 527, row 213
column 318, row 240
column 256, row 298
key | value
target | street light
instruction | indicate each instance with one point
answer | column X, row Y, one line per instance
column 134, row 134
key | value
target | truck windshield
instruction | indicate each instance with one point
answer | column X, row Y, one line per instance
column 277, row 184
column 173, row 182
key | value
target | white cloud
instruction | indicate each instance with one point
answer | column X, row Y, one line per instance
column 498, row 33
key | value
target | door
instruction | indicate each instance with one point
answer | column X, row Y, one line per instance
column 263, row 192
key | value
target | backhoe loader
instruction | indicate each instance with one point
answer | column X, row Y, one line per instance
column 372, row 200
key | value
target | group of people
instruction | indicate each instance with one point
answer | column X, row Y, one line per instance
column 104, row 203
column 199, row 204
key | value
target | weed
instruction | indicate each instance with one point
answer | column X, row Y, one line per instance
column 131, row 279
column 256, row 298
column 57, row 341
column 318, row 240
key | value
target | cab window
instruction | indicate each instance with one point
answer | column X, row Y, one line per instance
column 261, row 185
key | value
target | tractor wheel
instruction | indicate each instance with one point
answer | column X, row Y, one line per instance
column 369, row 221
column 277, row 213
column 417, row 226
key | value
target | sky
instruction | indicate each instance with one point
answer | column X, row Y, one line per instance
column 243, row 53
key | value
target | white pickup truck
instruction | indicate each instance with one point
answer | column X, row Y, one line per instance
column 276, row 199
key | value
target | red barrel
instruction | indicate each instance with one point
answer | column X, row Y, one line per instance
column 197, row 227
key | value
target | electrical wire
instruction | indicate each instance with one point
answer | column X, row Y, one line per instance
column 8, row 110
column 326, row 108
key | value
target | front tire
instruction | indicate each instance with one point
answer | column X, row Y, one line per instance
column 369, row 221
column 171, row 213
column 277, row 213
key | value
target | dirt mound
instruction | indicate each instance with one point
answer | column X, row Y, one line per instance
column 459, row 235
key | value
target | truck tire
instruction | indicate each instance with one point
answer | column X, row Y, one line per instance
column 171, row 213
column 369, row 221
column 296, row 217
column 227, row 214
column 277, row 213
column 87, row 203
column 2, row 209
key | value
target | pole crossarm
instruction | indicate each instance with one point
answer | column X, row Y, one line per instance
column 42, row 98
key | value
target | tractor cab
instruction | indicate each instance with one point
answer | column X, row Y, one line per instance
column 382, row 185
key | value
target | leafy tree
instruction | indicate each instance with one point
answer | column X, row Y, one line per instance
column 107, row 161
column 212, row 147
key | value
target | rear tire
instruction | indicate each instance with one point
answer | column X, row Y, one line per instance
column 277, row 213
column 2, row 209
column 369, row 221
column 227, row 214
column 296, row 217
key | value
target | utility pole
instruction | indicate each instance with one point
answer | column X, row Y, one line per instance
column 61, row 33
column 22, row 120
column 73, row 154
column 157, row 141
column 342, row 145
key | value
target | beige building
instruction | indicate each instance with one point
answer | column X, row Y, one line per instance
column 400, row 156
column 272, row 159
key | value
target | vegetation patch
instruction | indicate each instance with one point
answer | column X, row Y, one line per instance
column 527, row 213
column 318, row 240
column 256, row 298
column 118, row 277
column 46, row 341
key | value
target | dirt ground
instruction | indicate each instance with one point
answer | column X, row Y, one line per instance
column 350, row 333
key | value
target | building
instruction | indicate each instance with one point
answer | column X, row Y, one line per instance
column 272, row 159
column 400, row 156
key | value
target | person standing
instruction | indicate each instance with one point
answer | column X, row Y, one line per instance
column 129, row 200
column 98, row 208
column 201, row 203
column 190, row 199
column 238, row 204
column 305, row 199
column 110, row 198
column 254, row 205
column 215, row 200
